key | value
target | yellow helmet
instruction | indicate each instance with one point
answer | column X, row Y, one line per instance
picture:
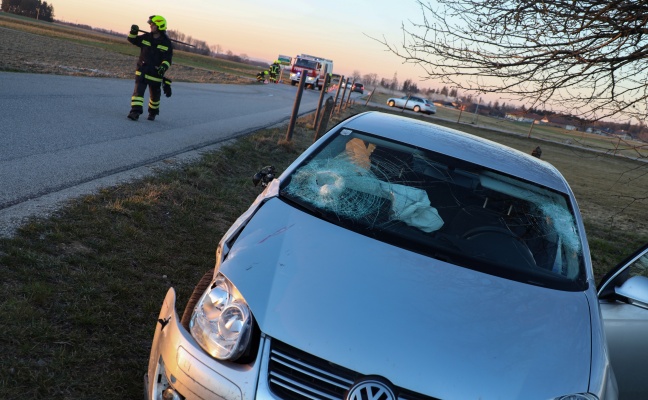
column 159, row 21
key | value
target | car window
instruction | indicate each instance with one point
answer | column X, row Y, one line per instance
column 443, row 207
column 301, row 62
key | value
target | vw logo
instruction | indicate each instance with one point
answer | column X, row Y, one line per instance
column 371, row 390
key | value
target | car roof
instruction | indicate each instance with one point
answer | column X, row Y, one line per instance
column 460, row 145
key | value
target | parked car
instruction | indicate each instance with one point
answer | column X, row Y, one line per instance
column 398, row 259
column 414, row 103
column 358, row 87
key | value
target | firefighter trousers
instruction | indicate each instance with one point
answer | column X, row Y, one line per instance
column 155, row 92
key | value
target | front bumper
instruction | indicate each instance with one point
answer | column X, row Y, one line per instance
column 297, row 77
column 178, row 362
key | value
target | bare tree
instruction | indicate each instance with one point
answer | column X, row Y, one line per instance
column 589, row 56
column 370, row 79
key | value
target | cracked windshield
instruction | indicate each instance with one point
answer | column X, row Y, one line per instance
column 442, row 207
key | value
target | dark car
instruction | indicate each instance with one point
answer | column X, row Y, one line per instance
column 358, row 87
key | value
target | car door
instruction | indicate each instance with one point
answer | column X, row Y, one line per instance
column 414, row 101
column 623, row 298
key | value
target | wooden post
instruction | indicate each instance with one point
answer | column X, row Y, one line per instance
column 530, row 129
column 295, row 112
column 321, row 97
column 326, row 115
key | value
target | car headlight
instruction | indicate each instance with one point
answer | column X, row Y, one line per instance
column 221, row 322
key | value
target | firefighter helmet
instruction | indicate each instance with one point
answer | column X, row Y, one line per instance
column 159, row 21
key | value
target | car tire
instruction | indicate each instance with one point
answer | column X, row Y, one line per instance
column 293, row 83
column 391, row 104
column 417, row 109
column 198, row 291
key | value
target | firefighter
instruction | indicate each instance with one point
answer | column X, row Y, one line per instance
column 262, row 76
column 274, row 71
column 156, row 52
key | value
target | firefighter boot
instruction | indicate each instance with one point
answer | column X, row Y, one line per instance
column 151, row 117
column 133, row 115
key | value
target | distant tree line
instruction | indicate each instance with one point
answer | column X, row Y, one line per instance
column 36, row 9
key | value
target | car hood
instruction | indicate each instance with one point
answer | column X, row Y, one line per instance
column 426, row 325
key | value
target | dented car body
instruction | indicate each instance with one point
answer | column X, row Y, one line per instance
column 399, row 259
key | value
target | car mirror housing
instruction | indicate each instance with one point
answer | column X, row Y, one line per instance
column 635, row 290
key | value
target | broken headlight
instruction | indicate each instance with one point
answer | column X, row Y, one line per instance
column 222, row 322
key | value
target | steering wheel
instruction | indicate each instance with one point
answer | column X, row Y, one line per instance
column 499, row 244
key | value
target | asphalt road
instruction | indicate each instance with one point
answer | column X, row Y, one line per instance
column 65, row 136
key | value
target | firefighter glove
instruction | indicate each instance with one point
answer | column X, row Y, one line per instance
column 162, row 69
column 134, row 29
column 166, row 87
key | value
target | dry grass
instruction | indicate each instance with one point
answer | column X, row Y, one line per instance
column 40, row 47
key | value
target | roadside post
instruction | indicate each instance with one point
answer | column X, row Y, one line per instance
column 344, row 84
column 370, row 96
column 406, row 101
column 348, row 100
column 324, row 119
column 339, row 88
column 321, row 97
column 461, row 108
column 295, row 112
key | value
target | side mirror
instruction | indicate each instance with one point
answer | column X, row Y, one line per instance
column 265, row 176
column 635, row 289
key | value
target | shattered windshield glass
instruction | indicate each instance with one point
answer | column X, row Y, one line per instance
column 442, row 207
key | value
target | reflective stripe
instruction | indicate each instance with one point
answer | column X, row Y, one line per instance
column 130, row 35
column 163, row 48
column 146, row 42
column 168, row 64
column 154, row 105
column 137, row 101
column 149, row 77
column 152, row 78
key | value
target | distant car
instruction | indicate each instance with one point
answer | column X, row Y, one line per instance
column 358, row 87
column 399, row 259
column 414, row 103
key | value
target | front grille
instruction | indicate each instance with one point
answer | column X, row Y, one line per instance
column 297, row 375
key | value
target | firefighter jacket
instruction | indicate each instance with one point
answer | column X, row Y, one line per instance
column 154, row 52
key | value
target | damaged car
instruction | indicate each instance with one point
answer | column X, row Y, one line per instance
column 398, row 259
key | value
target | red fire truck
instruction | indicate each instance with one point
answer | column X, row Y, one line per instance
column 315, row 69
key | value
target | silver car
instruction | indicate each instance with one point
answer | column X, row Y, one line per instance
column 427, row 265
column 414, row 103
